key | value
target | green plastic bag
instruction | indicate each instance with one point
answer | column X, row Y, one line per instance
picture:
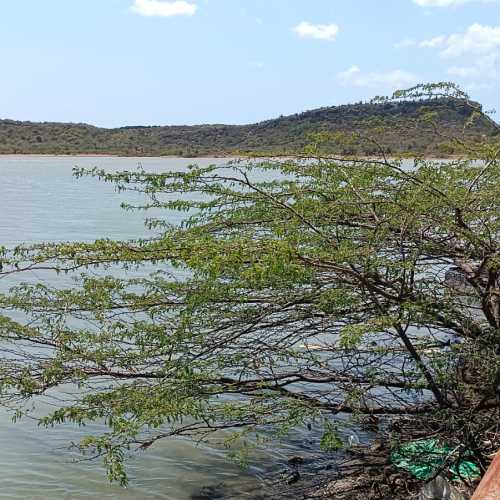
column 423, row 459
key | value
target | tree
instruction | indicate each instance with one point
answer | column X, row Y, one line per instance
column 295, row 290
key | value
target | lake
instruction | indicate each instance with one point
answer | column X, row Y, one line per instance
column 41, row 201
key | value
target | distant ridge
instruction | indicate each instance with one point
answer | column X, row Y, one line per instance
column 280, row 135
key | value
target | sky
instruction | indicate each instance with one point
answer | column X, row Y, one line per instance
column 156, row 62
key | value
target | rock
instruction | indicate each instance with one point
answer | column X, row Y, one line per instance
column 291, row 476
column 210, row 493
column 296, row 461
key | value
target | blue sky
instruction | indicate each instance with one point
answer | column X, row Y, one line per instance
column 126, row 62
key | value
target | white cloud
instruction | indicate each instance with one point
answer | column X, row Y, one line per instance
column 406, row 42
column 161, row 8
column 447, row 3
column 395, row 79
column 318, row 31
column 433, row 42
column 487, row 66
column 477, row 48
column 477, row 39
column 477, row 51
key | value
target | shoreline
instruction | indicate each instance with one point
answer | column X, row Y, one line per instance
column 111, row 155
column 207, row 155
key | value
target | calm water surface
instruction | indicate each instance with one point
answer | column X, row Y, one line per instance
column 41, row 201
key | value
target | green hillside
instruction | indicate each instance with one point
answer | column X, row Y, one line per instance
column 384, row 121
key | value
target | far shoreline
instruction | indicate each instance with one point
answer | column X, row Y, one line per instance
column 113, row 155
column 430, row 156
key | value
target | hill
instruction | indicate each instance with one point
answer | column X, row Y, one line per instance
column 385, row 121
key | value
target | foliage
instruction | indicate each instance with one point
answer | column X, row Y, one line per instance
column 398, row 124
column 296, row 290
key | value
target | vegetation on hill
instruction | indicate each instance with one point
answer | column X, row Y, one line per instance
column 400, row 125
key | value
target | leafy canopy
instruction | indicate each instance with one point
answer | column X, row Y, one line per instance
column 296, row 289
